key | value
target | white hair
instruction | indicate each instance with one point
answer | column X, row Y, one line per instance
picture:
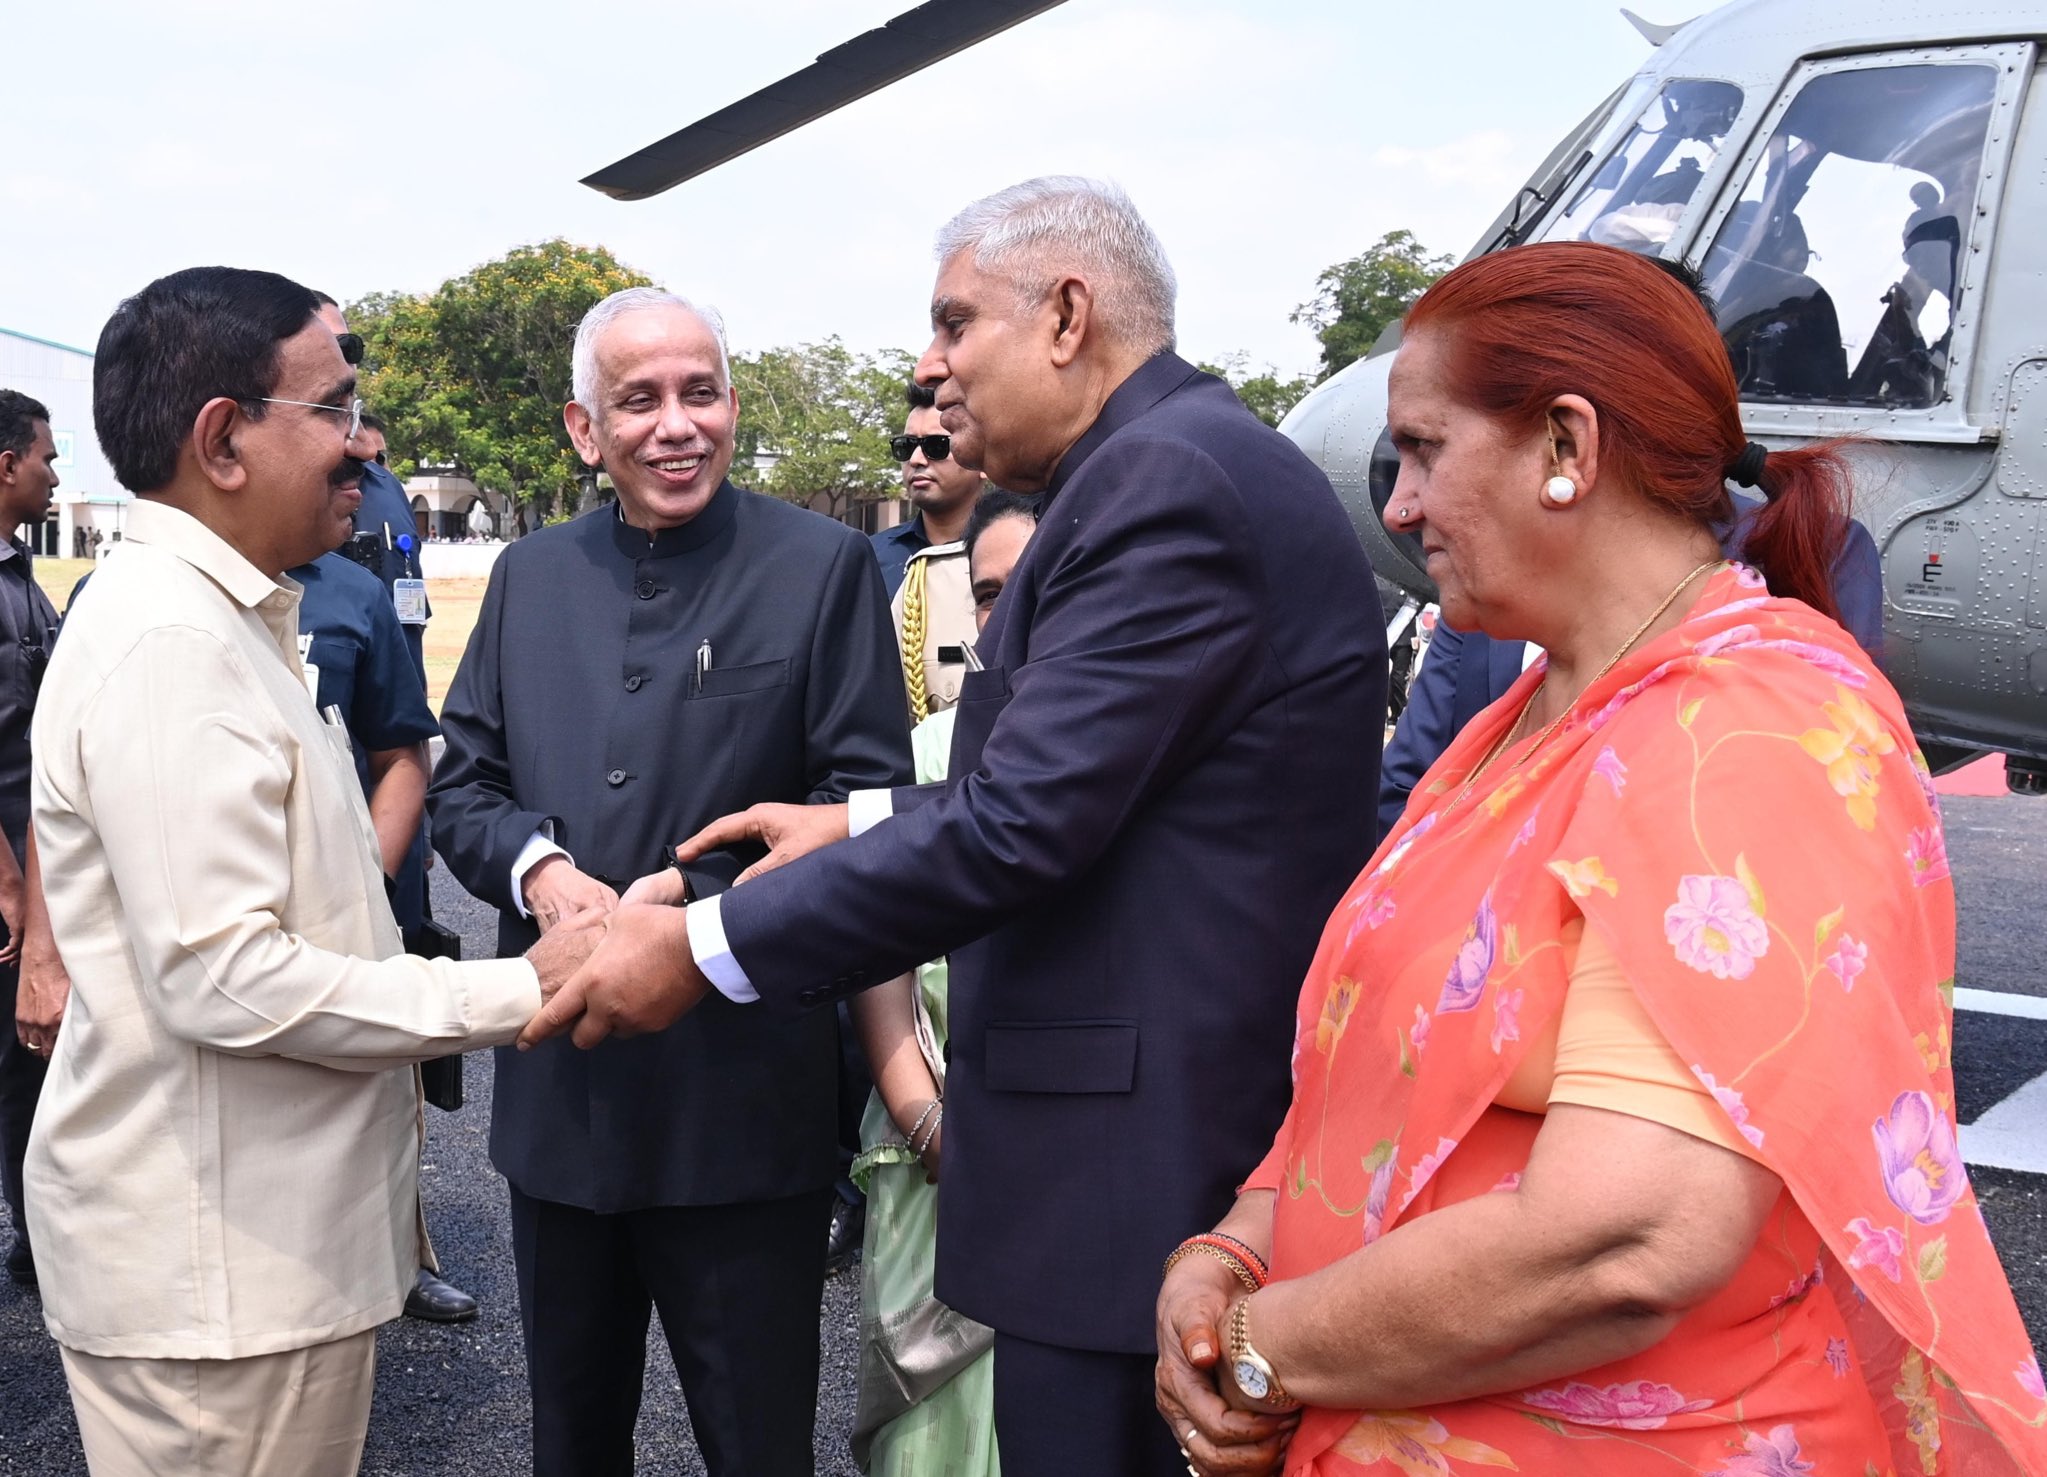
column 1035, row 231
column 583, row 370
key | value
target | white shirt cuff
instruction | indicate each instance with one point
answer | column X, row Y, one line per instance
column 713, row 955
column 538, row 848
column 866, row 809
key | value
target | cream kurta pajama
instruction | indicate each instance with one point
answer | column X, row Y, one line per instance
column 224, row 1166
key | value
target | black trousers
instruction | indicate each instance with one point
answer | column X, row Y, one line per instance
column 739, row 1288
column 1077, row 1413
column 21, row 1082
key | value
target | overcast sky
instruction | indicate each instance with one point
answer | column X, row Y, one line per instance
column 380, row 145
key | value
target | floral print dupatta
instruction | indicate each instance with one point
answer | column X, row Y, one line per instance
column 1739, row 809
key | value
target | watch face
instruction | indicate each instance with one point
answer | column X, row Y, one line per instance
column 1251, row 1379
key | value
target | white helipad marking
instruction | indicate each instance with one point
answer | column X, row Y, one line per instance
column 2013, row 1134
column 2000, row 1002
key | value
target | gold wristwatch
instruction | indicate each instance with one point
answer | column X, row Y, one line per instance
column 1249, row 1368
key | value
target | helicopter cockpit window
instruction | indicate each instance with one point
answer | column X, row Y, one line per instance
column 1635, row 197
column 1837, row 270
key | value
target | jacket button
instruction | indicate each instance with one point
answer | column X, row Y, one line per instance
column 644, row 589
column 632, row 683
column 616, row 777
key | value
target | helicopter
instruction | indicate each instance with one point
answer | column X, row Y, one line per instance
column 1852, row 179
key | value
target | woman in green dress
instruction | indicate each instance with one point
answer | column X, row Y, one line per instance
column 927, row 1378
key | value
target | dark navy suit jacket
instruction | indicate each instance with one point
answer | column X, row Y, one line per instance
column 1465, row 672
column 1159, row 788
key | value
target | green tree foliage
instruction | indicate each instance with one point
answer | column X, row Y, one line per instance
column 1266, row 395
column 1354, row 301
column 475, row 374
column 814, row 423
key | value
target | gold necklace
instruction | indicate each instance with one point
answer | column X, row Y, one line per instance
column 1507, row 739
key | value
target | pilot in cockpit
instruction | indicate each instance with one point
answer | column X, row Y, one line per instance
column 1781, row 326
column 1906, row 360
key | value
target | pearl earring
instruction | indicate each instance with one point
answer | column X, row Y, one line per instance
column 1561, row 490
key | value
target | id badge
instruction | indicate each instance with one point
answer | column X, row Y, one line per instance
column 410, row 598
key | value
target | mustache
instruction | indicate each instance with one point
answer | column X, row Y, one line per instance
column 350, row 470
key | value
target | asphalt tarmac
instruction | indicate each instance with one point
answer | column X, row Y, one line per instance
column 452, row 1400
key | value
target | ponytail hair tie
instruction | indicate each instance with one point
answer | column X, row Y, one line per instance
column 1747, row 470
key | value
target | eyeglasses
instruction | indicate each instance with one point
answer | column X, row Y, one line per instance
column 935, row 448
column 352, row 411
column 351, row 347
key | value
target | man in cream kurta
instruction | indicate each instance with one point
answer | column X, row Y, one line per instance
column 224, row 1168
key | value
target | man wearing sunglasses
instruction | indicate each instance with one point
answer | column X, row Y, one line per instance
column 932, row 599
column 940, row 491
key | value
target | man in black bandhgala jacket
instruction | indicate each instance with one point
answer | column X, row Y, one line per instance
column 633, row 674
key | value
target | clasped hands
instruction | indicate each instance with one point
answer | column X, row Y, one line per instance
column 1217, row 1426
column 622, row 966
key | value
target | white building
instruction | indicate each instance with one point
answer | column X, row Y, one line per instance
column 444, row 505
column 88, row 497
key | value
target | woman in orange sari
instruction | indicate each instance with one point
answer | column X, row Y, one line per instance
column 1623, row 1130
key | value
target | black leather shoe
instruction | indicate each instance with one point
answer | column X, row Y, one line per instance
column 849, row 1224
column 21, row 1264
column 437, row 1302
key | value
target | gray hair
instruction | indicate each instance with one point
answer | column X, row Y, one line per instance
column 1034, row 231
column 583, row 372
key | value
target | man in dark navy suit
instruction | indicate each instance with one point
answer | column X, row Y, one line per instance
column 1160, row 784
column 1465, row 672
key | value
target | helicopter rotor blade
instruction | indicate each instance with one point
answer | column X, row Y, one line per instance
column 909, row 43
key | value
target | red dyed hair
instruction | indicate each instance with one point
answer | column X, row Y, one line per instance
column 1523, row 326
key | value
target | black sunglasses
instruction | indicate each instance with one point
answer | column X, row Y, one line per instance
column 936, row 448
column 351, row 347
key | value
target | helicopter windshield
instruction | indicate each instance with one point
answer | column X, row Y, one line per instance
column 1635, row 197
column 1837, row 270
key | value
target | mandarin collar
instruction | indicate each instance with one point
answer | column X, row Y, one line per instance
column 1147, row 385
column 713, row 520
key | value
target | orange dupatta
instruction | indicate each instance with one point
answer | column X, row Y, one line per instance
column 1740, row 809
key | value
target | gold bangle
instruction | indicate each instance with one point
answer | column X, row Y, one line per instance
column 1242, row 1273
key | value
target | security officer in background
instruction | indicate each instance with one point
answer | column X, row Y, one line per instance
column 389, row 548
column 940, row 490
column 386, row 546
column 933, row 606
column 356, row 661
column 386, row 514
column 28, row 625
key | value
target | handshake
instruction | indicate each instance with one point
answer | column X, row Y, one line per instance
column 612, row 965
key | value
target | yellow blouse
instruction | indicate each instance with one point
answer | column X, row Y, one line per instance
column 1606, row 1052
